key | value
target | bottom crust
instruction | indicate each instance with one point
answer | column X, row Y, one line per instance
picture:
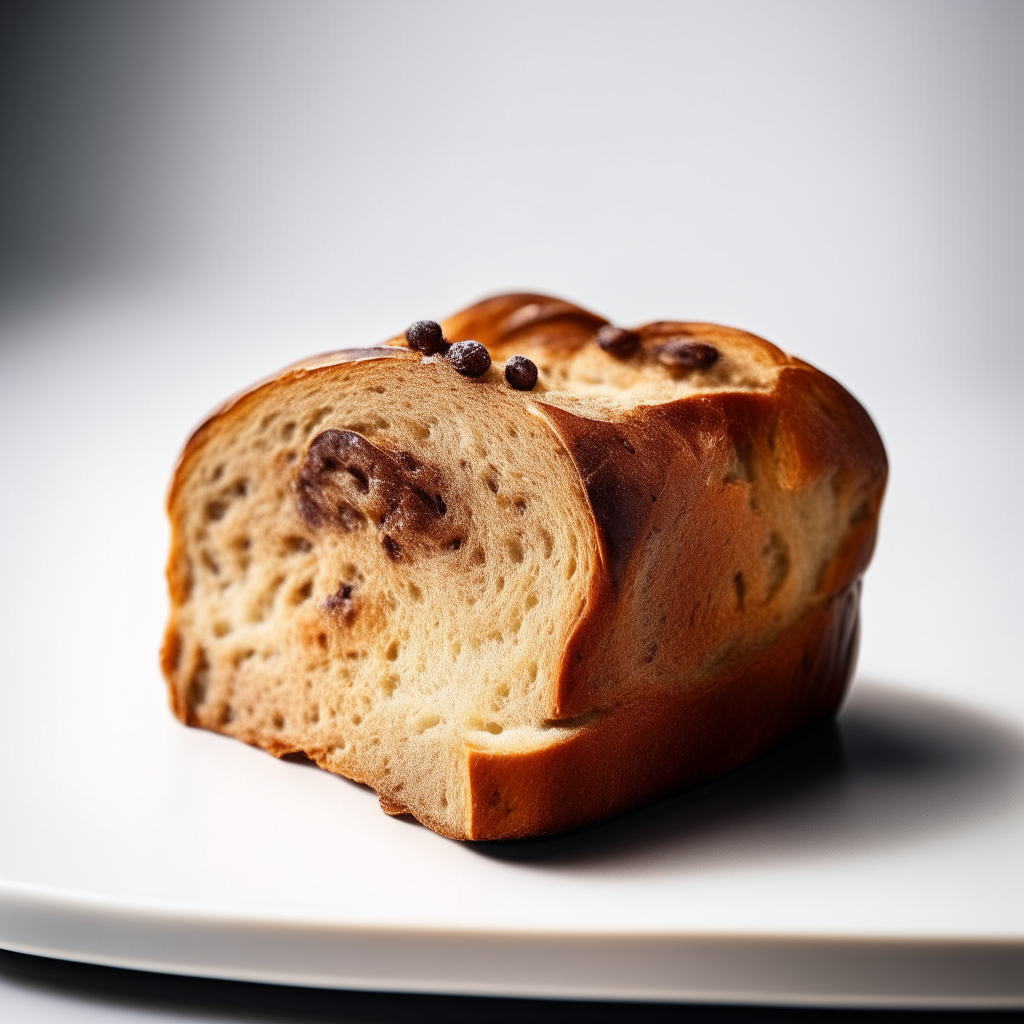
column 670, row 740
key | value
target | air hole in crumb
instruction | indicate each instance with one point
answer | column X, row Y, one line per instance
column 303, row 593
column 392, row 651
column 298, row 544
column 215, row 510
column 499, row 584
column 493, row 728
column 349, row 572
column 357, row 719
column 520, row 506
column 321, row 639
column 532, row 600
column 221, row 628
column 514, row 548
column 427, row 721
column 478, row 557
column 243, row 545
column 315, row 419
column 261, row 608
column 415, row 593
column 288, row 430
column 210, row 562
column 531, row 671
column 570, row 568
column 548, row 543
column 374, row 425
column 389, row 683
column 278, row 721
column 198, row 684
column 456, row 648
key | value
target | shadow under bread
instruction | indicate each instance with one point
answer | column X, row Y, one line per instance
column 893, row 768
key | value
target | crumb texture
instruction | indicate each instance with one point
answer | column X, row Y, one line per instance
column 457, row 591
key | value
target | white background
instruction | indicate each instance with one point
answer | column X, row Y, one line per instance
column 843, row 179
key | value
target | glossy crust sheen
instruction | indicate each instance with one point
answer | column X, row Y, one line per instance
column 680, row 668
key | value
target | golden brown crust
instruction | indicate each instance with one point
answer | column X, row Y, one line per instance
column 658, row 464
column 524, row 321
column 669, row 739
column 727, row 518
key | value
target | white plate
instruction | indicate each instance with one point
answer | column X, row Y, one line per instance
column 877, row 863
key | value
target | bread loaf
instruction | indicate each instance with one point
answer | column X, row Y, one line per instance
column 515, row 610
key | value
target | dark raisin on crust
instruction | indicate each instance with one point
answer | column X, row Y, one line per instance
column 521, row 373
column 687, row 355
column 469, row 358
column 617, row 341
column 427, row 337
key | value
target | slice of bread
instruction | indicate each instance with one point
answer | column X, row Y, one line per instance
column 514, row 612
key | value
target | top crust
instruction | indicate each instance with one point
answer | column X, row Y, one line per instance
column 679, row 553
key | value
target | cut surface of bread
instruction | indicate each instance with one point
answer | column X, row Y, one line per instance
column 515, row 612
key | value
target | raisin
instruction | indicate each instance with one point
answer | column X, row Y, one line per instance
column 521, row 373
column 687, row 355
column 617, row 341
column 427, row 337
column 469, row 358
